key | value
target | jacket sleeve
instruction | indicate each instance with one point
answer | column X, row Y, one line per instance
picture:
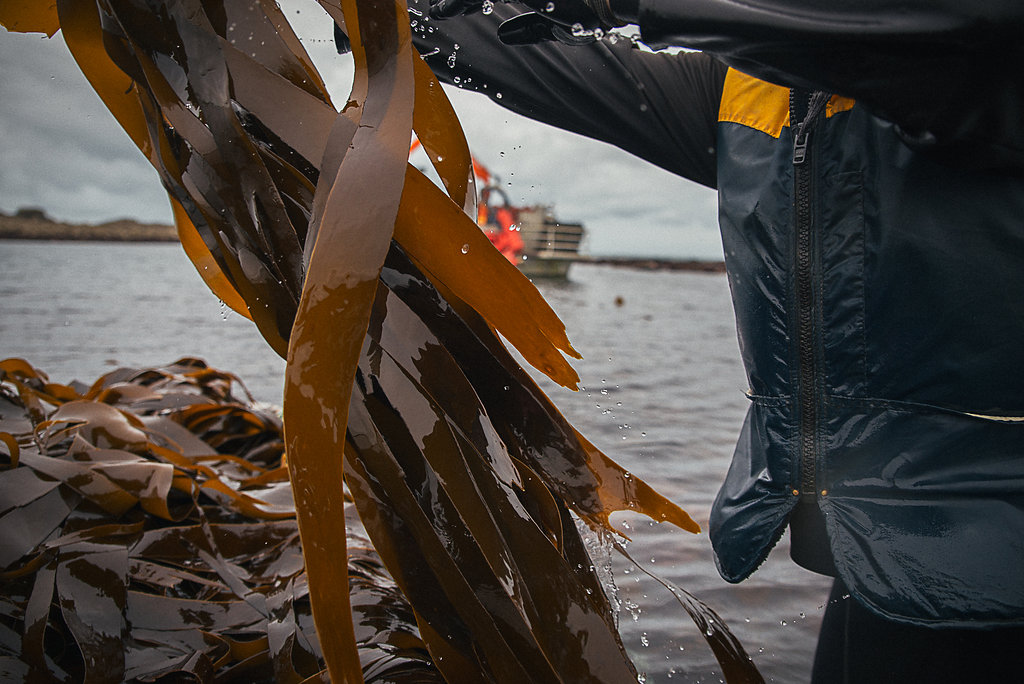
column 660, row 107
column 950, row 73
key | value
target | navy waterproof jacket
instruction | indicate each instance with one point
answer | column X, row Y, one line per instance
column 874, row 241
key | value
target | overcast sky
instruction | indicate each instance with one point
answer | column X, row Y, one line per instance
column 61, row 150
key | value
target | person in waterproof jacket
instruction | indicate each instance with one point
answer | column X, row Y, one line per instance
column 869, row 162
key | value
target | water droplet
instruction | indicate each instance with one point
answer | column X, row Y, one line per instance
column 465, row 248
column 644, row 641
column 497, row 95
column 550, row 7
column 487, row 7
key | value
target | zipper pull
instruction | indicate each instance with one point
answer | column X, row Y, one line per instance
column 815, row 106
column 800, row 145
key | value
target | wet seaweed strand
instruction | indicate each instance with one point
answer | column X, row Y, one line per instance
column 381, row 293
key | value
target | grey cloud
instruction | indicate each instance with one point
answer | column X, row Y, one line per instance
column 60, row 148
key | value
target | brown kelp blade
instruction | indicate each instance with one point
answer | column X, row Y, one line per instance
column 353, row 236
column 501, row 573
column 527, row 423
column 100, row 584
column 242, row 190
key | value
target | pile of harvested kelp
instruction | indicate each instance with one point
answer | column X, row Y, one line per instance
column 148, row 532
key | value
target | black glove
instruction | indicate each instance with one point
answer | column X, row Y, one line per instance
column 445, row 9
column 533, row 27
column 573, row 22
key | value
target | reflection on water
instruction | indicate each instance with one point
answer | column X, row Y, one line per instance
column 663, row 395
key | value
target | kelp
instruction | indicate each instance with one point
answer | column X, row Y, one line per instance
column 389, row 305
column 149, row 534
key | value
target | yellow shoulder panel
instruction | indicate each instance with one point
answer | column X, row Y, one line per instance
column 755, row 103
column 763, row 106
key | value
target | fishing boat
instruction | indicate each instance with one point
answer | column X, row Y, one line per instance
column 531, row 237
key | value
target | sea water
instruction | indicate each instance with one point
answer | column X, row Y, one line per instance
column 662, row 392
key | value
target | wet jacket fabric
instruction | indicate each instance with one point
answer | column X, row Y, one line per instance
column 877, row 296
column 876, row 262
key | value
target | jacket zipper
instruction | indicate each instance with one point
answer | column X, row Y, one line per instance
column 806, row 301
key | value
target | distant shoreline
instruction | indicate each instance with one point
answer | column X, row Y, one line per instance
column 656, row 264
column 43, row 228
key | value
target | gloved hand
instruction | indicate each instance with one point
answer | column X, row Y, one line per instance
column 445, row 9
column 534, row 27
column 574, row 22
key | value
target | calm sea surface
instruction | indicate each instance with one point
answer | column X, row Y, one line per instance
column 663, row 395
